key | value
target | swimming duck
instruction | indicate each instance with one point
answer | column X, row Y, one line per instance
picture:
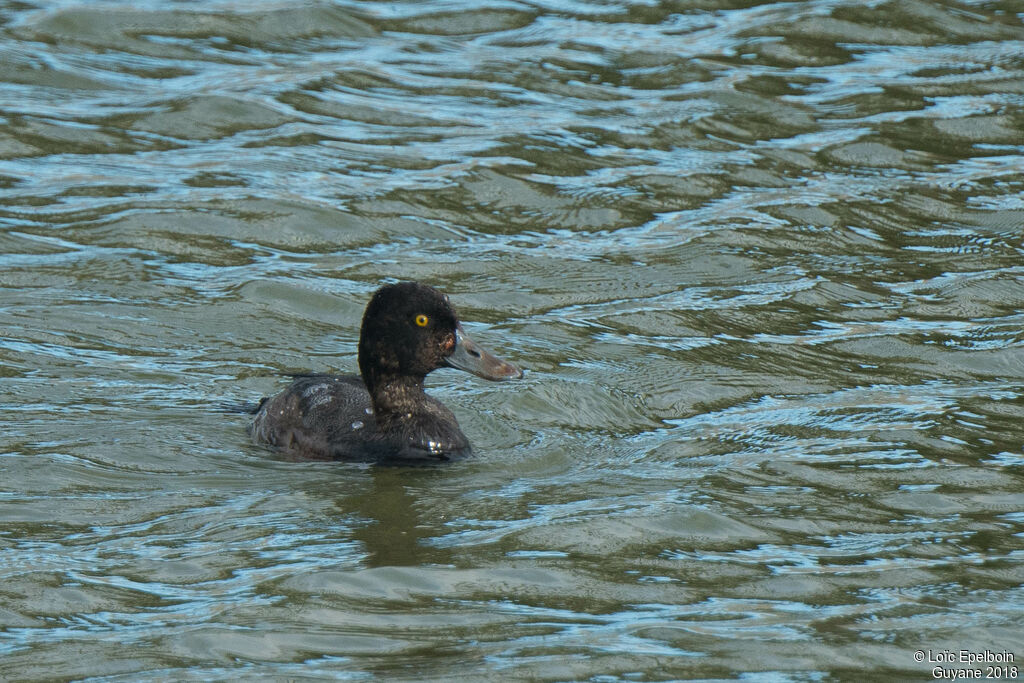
column 409, row 330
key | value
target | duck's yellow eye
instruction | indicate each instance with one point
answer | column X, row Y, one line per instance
column 422, row 320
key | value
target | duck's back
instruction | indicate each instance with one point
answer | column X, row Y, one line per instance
column 331, row 417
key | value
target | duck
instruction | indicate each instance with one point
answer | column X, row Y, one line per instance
column 383, row 415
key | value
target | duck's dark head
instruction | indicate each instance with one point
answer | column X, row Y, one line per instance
column 410, row 329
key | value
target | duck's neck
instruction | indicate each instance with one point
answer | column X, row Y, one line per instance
column 394, row 396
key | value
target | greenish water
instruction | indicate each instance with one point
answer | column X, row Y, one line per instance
column 764, row 264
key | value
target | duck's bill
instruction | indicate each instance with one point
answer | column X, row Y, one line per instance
column 471, row 357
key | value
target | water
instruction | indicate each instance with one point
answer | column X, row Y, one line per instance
column 763, row 263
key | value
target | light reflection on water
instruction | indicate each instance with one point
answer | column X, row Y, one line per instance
column 762, row 265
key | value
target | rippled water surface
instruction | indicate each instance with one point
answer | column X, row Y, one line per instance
column 764, row 264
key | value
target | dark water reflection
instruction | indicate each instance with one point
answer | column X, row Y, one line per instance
column 763, row 263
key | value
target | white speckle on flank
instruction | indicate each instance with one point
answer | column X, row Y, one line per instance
column 358, row 424
column 369, row 411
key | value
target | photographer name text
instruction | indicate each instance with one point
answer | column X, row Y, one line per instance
column 993, row 664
